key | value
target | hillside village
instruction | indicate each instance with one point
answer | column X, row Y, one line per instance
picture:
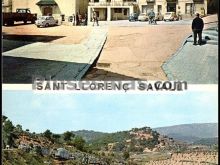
column 137, row 146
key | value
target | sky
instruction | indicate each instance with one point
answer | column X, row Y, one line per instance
column 60, row 112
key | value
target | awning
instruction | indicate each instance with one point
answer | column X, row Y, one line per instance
column 198, row 1
column 46, row 3
column 172, row 1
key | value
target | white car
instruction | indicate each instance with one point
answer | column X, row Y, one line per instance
column 46, row 21
column 170, row 16
column 158, row 16
column 143, row 17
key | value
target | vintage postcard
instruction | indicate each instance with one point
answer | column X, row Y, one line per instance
column 110, row 82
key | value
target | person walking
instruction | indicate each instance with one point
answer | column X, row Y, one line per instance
column 95, row 19
column 77, row 19
column 86, row 20
column 74, row 19
column 197, row 27
column 151, row 16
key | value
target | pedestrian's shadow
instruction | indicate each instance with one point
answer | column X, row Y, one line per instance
column 204, row 42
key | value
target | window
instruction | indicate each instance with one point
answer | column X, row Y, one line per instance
column 125, row 11
column 118, row 10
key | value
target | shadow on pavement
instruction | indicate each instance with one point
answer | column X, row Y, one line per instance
column 19, row 24
column 31, row 38
column 97, row 74
column 12, row 41
column 18, row 70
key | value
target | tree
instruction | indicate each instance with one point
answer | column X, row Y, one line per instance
column 79, row 143
column 47, row 134
column 19, row 128
column 56, row 137
column 67, row 136
column 126, row 155
column 4, row 118
column 8, row 135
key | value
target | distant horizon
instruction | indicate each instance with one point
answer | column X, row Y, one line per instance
column 107, row 113
column 127, row 129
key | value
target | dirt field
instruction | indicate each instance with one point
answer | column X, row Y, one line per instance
column 199, row 158
column 138, row 52
column 58, row 34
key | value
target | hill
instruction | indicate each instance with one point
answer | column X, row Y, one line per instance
column 89, row 136
column 190, row 132
column 207, row 141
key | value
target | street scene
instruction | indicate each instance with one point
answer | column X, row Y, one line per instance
column 107, row 45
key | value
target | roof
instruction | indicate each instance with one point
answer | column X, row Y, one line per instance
column 46, row 3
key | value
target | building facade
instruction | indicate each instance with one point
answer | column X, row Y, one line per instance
column 121, row 9
column 106, row 9
column 112, row 9
column 6, row 5
column 185, row 7
column 57, row 8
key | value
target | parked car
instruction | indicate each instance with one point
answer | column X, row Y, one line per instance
column 46, row 21
column 133, row 17
column 22, row 14
column 170, row 16
column 158, row 16
column 143, row 17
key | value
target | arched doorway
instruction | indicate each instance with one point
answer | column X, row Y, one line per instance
column 47, row 11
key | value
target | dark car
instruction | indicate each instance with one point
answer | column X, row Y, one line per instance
column 133, row 17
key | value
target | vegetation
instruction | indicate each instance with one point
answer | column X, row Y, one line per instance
column 124, row 146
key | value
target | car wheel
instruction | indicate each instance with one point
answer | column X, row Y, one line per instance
column 38, row 26
column 47, row 24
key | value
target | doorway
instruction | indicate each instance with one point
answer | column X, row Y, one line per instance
column 47, row 11
column 171, row 7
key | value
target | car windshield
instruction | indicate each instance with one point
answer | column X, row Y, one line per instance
column 42, row 18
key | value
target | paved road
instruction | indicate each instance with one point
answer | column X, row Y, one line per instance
column 126, row 23
column 194, row 63
column 137, row 50
column 52, row 60
column 134, row 50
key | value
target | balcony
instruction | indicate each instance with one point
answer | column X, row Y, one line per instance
column 125, row 3
column 198, row 1
column 172, row 1
column 150, row 1
column 99, row 3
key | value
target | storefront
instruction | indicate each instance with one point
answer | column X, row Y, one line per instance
column 48, row 7
column 171, row 5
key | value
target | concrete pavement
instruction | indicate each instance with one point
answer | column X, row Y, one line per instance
column 194, row 63
column 67, row 62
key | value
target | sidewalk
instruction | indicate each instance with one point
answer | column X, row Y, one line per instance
column 195, row 64
column 58, row 61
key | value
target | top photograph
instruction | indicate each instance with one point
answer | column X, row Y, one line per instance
column 110, row 40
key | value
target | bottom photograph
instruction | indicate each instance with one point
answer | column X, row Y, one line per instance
column 110, row 129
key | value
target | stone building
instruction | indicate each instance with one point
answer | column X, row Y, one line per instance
column 6, row 5
column 121, row 9
column 57, row 8
column 106, row 9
